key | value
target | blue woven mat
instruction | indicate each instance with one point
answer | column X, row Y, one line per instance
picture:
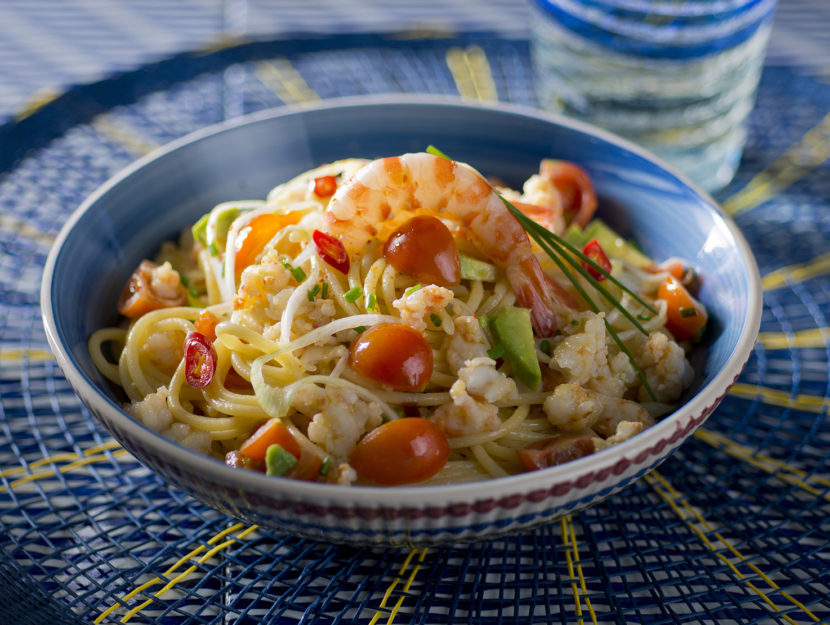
column 733, row 528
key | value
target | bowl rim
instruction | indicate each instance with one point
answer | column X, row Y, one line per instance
column 410, row 496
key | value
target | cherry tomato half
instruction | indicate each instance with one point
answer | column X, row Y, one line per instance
column 254, row 236
column 556, row 450
column 331, row 250
column 403, row 451
column 199, row 360
column 140, row 295
column 424, row 249
column 594, row 251
column 393, row 354
column 685, row 316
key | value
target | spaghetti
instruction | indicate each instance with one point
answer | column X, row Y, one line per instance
column 366, row 305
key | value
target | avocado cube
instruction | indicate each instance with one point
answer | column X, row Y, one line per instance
column 512, row 330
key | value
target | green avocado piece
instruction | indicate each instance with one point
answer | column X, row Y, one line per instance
column 512, row 330
column 474, row 269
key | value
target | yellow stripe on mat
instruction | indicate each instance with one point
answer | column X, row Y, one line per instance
column 283, row 79
column 208, row 553
column 794, row 164
column 80, row 462
column 471, row 72
column 783, row 276
column 776, row 397
column 118, row 131
column 38, row 355
column 814, row 337
column 14, row 223
column 63, row 457
column 575, row 569
column 398, row 578
column 780, row 469
column 702, row 529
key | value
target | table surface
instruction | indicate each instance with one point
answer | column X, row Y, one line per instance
column 733, row 528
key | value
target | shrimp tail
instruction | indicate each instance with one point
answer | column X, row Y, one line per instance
column 542, row 295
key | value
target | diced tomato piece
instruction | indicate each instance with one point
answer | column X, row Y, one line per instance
column 555, row 450
column 272, row 432
column 206, row 324
column 325, row 186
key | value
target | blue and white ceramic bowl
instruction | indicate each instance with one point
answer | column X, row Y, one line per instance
column 129, row 217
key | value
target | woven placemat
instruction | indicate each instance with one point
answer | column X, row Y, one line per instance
column 733, row 528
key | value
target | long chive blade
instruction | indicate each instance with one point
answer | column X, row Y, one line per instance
column 548, row 241
column 559, row 245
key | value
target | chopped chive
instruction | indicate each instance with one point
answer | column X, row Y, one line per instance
column 412, row 289
column 352, row 294
column 297, row 272
column 644, row 317
column 436, row 320
column 185, row 282
column 324, row 468
column 360, row 329
column 544, row 346
column 193, row 292
column 213, row 249
column 312, row 292
column 688, row 311
column 371, row 301
column 325, row 292
column 496, row 352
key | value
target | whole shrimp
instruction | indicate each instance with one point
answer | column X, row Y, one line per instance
column 387, row 192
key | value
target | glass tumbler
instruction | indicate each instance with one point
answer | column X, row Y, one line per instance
column 678, row 77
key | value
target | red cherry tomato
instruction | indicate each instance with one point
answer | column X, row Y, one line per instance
column 685, row 316
column 424, row 249
column 556, row 450
column 324, row 186
column 199, row 360
column 403, row 451
column 594, row 251
column 393, row 354
column 139, row 296
column 331, row 250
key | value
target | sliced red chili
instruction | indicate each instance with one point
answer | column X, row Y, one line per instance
column 331, row 250
column 199, row 360
column 594, row 251
column 324, row 186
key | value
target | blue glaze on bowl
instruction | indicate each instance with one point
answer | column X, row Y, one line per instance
column 128, row 218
